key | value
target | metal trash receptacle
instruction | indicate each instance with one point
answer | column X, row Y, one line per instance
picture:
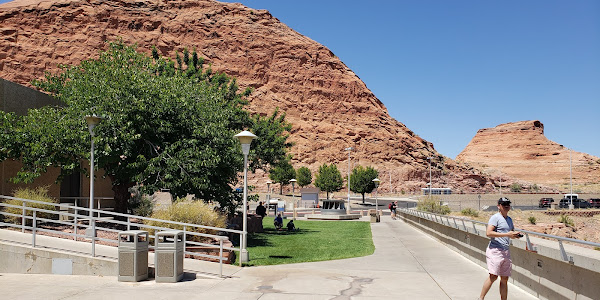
column 133, row 255
column 168, row 256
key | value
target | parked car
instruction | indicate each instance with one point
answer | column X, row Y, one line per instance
column 595, row 203
column 546, row 202
column 577, row 203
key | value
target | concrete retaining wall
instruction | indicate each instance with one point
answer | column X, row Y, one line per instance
column 27, row 260
column 544, row 273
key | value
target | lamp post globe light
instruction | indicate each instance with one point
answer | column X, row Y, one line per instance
column 349, row 149
column 245, row 137
column 92, row 121
column 376, row 181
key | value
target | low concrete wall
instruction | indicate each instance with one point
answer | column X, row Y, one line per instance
column 27, row 260
column 543, row 273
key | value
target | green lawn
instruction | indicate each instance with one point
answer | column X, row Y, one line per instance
column 315, row 241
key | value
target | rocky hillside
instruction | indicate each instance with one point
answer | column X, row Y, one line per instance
column 329, row 106
column 522, row 151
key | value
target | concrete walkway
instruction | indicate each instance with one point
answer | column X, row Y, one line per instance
column 407, row 264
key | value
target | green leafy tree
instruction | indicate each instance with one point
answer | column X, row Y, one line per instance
column 160, row 128
column 361, row 180
column 329, row 179
column 303, row 176
column 282, row 173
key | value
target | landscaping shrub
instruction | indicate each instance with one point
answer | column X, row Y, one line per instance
column 194, row 212
column 566, row 220
column 38, row 194
column 532, row 220
column 139, row 204
column 432, row 204
column 469, row 212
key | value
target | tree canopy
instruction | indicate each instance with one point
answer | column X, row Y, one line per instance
column 304, row 176
column 361, row 180
column 162, row 127
column 329, row 179
column 282, row 173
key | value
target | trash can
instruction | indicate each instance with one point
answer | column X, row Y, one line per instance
column 133, row 255
column 168, row 256
column 374, row 216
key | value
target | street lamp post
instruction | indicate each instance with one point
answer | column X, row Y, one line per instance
column 376, row 181
column 571, row 206
column 245, row 137
column 268, row 204
column 293, row 181
column 429, row 161
column 349, row 149
column 92, row 121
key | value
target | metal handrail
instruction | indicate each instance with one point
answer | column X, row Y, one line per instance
column 433, row 217
column 93, row 225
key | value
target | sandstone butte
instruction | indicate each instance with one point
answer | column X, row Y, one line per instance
column 522, row 151
column 329, row 106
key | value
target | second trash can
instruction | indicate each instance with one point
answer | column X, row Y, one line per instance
column 168, row 256
column 133, row 255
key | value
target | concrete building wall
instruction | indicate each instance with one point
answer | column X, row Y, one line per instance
column 542, row 273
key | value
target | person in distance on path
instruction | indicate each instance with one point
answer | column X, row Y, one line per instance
column 500, row 229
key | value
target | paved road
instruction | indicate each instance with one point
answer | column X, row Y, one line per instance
column 407, row 264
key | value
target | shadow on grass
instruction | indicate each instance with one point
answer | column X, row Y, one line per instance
column 261, row 239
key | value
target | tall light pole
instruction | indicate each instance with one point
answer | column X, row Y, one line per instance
column 429, row 161
column 293, row 181
column 268, row 204
column 245, row 137
column 571, row 206
column 349, row 149
column 92, row 121
column 376, row 181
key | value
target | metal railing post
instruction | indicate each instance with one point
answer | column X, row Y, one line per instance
column 33, row 227
column 93, row 221
column 75, row 211
column 221, row 258
column 23, row 217
column 184, row 238
column 241, row 236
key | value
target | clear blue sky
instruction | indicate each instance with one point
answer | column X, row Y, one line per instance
column 448, row 68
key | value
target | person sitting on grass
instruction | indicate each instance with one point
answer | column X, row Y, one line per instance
column 291, row 226
column 278, row 222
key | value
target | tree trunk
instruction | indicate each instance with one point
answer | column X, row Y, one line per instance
column 327, row 195
column 280, row 189
column 122, row 195
column 363, row 194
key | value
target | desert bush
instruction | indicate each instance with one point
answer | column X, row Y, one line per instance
column 38, row 194
column 432, row 204
column 469, row 212
column 139, row 204
column 532, row 220
column 566, row 220
column 515, row 188
column 194, row 212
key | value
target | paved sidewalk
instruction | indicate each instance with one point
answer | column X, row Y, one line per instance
column 407, row 264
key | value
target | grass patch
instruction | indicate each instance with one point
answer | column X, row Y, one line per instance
column 315, row 241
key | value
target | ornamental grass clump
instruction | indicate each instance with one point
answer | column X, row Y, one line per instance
column 38, row 194
column 469, row 212
column 566, row 220
column 433, row 205
column 193, row 212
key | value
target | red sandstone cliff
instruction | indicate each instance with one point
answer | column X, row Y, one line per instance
column 329, row 106
column 522, row 151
